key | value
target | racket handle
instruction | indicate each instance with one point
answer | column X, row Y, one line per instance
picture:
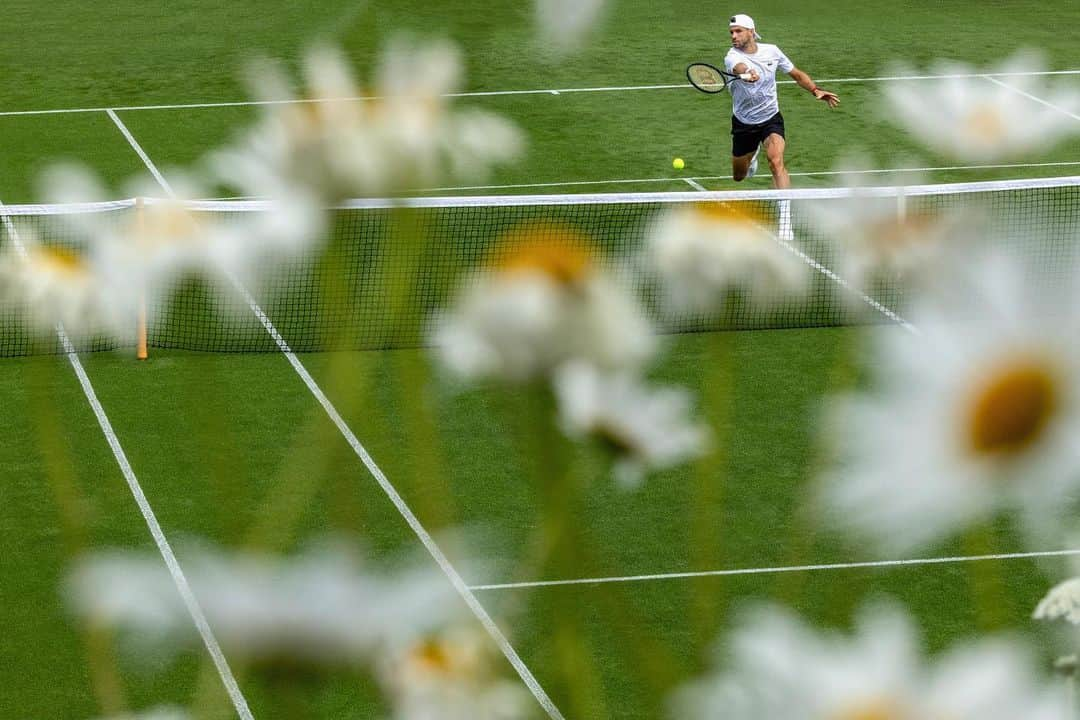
column 744, row 76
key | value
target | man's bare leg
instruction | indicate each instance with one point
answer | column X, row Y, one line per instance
column 740, row 166
column 774, row 150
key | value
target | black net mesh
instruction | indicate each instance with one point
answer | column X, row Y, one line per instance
column 382, row 273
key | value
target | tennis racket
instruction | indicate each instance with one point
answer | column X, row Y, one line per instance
column 709, row 79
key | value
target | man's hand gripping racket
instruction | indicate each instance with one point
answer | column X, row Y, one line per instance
column 712, row 80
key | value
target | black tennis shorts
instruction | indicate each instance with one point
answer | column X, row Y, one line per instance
column 745, row 137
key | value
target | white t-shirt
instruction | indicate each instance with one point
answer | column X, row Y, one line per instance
column 755, row 102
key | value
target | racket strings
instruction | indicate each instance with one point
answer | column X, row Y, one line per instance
column 707, row 78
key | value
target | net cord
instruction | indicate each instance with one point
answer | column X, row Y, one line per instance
column 573, row 199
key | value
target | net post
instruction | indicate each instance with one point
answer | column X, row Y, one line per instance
column 140, row 330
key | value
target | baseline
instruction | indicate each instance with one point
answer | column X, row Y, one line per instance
column 495, row 93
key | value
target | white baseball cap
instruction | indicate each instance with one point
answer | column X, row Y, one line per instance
column 743, row 21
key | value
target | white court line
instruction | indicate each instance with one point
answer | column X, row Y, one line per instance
column 407, row 513
column 847, row 286
column 179, row 579
column 774, row 570
column 142, row 154
column 816, row 173
column 694, row 184
column 1029, row 96
column 495, row 93
column 391, row 492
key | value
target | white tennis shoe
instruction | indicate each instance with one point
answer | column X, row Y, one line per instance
column 753, row 164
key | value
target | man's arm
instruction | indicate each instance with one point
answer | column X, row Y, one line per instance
column 803, row 80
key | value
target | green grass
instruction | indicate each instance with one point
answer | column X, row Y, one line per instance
column 157, row 58
column 231, row 449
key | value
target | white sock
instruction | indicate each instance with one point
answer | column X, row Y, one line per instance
column 786, row 233
column 753, row 163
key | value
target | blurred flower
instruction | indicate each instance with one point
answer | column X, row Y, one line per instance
column 976, row 414
column 886, row 236
column 1063, row 601
column 980, row 119
column 646, row 429
column 539, row 305
column 162, row 712
column 452, row 674
column 65, row 284
column 565, row 23
column 780, row 668
column 320, row 607
column 704, row 250
column 337, row 143
column 176, row 235
column 141, row 253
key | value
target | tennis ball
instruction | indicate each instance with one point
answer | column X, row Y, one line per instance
column 678, row 164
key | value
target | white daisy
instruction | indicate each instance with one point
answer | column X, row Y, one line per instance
column 337, row 144
column 319, row 607
column 887, row 237
column 65, row 284
column 1063, row 601
column 144, row 252
column 780, row 668
column 163, row 712
column 702, row 251
column 174, row 236
column 81, row 280
column 648, row 429
column 452, row 674
column 138, row 249
column 983, row 119
column 540, row 303
column 566, row 23
column 976, row 414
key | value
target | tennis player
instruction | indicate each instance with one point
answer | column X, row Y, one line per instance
column 756, row 120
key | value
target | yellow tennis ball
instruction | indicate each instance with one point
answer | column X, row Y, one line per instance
column 678, row 164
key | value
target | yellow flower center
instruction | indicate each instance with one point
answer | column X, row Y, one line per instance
column 893, row 239
column 743, row 213
column 307, row 122
column 1011, row 409
column 431, row 655
column 879, row 709
column 985, row 124
column 559, row 253
column 168, row 223
column 60, row 261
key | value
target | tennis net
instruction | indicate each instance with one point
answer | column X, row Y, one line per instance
column 387, row 266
